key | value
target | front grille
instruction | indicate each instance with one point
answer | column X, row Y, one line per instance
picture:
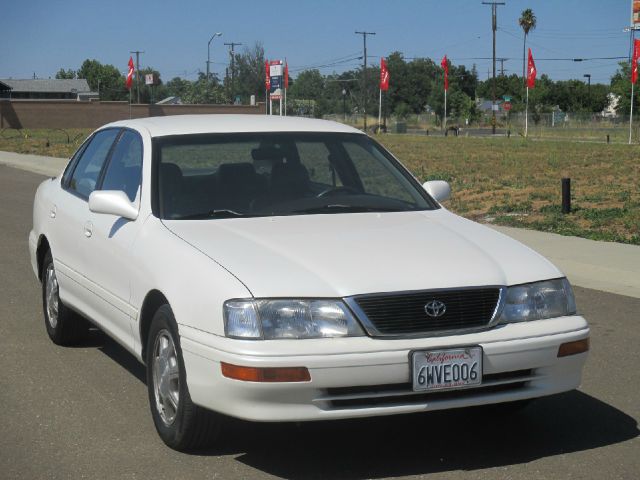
column 405, row 314
column 403, row 394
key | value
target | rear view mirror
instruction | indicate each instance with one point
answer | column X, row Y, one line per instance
column 112, row 202
column 438, row 189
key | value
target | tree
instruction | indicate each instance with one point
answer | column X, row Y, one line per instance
column 249, row 73
column 528, row 22
column 65, row 74
column 105, row 79
column 621, row 87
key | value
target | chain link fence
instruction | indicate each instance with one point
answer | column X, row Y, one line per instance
column 580, row 126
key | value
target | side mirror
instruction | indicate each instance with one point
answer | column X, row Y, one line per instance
column 112, row 202
column 438, row 189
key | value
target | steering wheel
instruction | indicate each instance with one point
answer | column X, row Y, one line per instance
column 334, row 190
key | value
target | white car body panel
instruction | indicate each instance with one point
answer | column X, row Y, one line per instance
column 198, row 265
column 336, row 255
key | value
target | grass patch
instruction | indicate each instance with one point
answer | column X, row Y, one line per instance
column 513, row 181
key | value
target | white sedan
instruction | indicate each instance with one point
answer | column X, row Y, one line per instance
column 286, row 269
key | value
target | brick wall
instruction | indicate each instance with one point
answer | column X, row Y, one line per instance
column 67, row 114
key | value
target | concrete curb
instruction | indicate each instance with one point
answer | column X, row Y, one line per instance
column 606, row 266
column 49, row 166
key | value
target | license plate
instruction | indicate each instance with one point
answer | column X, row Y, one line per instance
column 447, row 369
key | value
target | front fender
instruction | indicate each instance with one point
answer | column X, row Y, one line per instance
column 195, row 286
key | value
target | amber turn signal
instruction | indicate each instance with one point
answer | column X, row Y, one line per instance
column 254, row 374
column 573, row 348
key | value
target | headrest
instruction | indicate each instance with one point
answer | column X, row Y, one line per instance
column 286, row 175
column 170, row 171
column 270, row 153
column 232, row 172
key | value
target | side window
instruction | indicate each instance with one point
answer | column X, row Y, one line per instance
column 85, row 176
column 374, row 173
column 69, row 168
column 124, row 171
column 315, row 157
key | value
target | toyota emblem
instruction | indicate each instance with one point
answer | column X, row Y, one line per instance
column 435, row 308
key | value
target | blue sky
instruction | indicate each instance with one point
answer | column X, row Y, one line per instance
column 42, row 36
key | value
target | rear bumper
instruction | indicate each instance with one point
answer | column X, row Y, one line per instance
column 361, row 377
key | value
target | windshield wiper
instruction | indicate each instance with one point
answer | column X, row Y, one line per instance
column 218, row 213
column 339, row 208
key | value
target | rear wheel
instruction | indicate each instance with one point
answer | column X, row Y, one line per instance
column 181, row 424
column 64, row 326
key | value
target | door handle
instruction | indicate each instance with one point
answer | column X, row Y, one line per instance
column 52, row 212
column 88, row 229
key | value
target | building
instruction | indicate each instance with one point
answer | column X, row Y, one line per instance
column 47, row 89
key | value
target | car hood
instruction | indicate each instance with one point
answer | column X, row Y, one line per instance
column 338, row 255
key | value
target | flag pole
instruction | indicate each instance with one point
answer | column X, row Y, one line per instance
column 631, row 114
column 445, row 109
column 380, row 112
column 129, row 103
column 526, row 115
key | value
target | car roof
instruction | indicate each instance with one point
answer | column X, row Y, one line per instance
column 219, row 123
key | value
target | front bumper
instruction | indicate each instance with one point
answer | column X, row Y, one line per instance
column 361, row 377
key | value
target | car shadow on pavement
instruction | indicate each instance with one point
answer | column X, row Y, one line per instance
column 466, row 439
column 463, row 439
column 117, row 353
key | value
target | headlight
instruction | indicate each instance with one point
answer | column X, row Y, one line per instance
column 535, row 301
column 284, row 318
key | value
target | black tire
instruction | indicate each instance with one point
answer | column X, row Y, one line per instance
column 64, row 326
column 187, row 427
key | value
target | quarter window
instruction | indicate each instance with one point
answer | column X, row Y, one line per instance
column 85, row 176
column 125, row 167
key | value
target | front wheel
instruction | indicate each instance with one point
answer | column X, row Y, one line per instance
column 64, row 326
column 181, row 424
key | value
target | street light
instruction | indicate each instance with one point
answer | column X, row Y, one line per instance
column 217, row 34
column 344, row 103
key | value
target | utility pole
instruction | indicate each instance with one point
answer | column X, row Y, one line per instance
column 137, row 52
column 494, row 27
column 232, row 46
column 502, row 60
column 364, row 75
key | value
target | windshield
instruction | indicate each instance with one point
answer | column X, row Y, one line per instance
column 266, row 174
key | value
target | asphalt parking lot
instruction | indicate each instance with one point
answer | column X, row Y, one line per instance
column 83, row 413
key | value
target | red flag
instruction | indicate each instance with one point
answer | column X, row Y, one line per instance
column 531, row 71
column 267, row 82
column 445, row 66
column 286, row 75
column 129, row 81
column 384, row 75
column 634, row 61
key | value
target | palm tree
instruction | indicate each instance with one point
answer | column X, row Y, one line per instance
column 528, row 22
